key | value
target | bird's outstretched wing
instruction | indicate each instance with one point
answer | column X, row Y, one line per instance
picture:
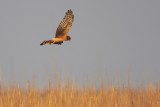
column 65, row 24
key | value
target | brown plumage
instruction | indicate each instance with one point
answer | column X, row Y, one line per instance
column 62, row 30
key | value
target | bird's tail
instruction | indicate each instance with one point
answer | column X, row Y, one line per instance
column 45, row 42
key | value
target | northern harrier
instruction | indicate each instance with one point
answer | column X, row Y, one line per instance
column 62, row 30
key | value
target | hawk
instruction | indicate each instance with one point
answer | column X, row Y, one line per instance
column 62, row 30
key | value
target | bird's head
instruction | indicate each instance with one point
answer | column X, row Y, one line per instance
column 68, row 38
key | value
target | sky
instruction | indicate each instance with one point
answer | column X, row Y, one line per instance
column 110, row 41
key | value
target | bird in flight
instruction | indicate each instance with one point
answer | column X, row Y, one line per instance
column 62, row 30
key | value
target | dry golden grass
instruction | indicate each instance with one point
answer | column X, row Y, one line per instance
column 68, row 96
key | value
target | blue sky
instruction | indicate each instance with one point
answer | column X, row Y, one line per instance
column 109, row 39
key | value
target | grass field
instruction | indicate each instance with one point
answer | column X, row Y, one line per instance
column 67, row 96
